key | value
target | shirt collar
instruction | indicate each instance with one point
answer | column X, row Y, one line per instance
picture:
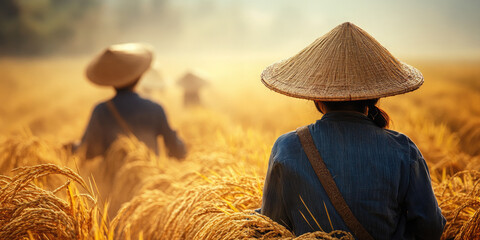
column 349, row 116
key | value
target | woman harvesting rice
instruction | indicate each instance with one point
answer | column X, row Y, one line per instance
column 347, row 171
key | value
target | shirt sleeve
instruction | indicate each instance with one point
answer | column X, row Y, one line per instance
column 92, row 143
column 424, row 217
column 176, row 147
column 273, row 203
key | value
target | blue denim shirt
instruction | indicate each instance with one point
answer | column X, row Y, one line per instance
column 146, row 119
column 380, row 173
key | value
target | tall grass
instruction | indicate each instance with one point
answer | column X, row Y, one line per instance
column 213, row 192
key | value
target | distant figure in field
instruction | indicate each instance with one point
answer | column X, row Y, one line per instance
column 191, row 83
column 347, row 171
column 121, row 67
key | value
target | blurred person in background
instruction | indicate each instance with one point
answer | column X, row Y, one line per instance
column 191, row 84
column 121, row 67
column 347, row 171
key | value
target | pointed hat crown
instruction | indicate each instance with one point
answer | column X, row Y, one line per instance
column 346, row 64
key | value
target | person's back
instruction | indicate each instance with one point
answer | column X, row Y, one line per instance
column 347, row 171
column 146, row 119
column 374, row 170
column 121, row 67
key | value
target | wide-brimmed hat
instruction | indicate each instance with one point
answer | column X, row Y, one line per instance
column 192, row 81
column 345, row 64
column 120, row 65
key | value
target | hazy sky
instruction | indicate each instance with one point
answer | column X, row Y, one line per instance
column 408, row 28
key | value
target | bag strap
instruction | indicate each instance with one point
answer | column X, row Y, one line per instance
column 123, row 124
column 329, row 185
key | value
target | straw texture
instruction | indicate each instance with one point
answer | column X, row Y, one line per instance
column 120, row 65
column 343, row 65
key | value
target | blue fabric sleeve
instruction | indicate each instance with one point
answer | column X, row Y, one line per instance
column 92, row 143
column 176, row 147
column 273, row 202
column 424, row 217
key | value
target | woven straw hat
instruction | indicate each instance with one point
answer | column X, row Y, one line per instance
column 120, row 65
column 345, row 64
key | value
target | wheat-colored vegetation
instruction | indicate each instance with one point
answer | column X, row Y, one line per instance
column 30, row 212
column 212, row 194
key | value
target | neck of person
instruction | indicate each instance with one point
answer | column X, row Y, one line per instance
column 124, row 90
column 128, row 88
column 348, row 111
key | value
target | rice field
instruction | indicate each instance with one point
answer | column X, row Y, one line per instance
column 48, row 193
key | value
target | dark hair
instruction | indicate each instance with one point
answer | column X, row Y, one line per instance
column 128, row 87
column 377, row 115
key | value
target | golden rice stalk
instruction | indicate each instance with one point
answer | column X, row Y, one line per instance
column 186, row 216
column 242, row 225
column 128, row 182
column 459, row 199
column 216, row 209
column 163, row 182
column 327, row 236
column 141, row 215
column 249, row 225
column 471, row 229
column 122, row 171
column 473, row 163
column 122, row 151
column 183, row 215
column 28, row 150
column 470, row 134
column 28, row 211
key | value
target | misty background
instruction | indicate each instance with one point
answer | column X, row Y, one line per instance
column 414, row 29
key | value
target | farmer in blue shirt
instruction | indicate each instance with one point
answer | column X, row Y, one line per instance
column 121, row 66
column 381, row 174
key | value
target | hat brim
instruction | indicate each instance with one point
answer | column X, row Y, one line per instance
column 289, row 87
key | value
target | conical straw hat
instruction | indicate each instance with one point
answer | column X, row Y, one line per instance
column 191, row 81
column 120, row 65
column 345, row 64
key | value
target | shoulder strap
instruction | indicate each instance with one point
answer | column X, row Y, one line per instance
column 329, row 185
column 123, row 124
